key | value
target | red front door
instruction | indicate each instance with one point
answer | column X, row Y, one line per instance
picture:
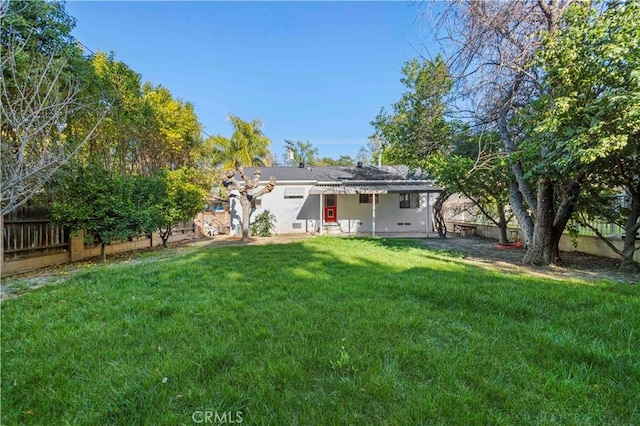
column 330, row 208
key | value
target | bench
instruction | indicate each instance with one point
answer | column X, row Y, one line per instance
column 464, row 229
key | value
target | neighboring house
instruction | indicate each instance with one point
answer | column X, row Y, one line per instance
column 339, row 199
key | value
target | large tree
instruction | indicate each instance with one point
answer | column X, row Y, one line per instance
column 417, row 126
column 171, row 135
column 248, row 146
column 303, row 153
column 117, row 142
column 495, row 45
column 588, row 119
column 42, row 93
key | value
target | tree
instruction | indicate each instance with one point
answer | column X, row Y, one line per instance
column 495, row 45
column 247, row 190
column 475, row 168
column 588, row 119
column 171, row 134
column 118, row 137
column 304, row 153
column 417, row 128
column 101, row 205
column 174, row 196
column 248, row 146
column 363, row 156
column 42, row 27
column 343, row 160
column 40, row 95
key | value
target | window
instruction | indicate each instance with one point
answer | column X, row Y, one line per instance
column 294, row 193
column 409, row 200
column 368, row 198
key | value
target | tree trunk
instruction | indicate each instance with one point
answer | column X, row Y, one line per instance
column 520, row 212
column 246, row 216
column 103, row 252
column 633, row 224
column 541, row 250
column 438, row 216
column 165, row 237
column 502, row 224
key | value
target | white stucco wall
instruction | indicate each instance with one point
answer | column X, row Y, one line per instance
column 294, row 215
column 388, row 214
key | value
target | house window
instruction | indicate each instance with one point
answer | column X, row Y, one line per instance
column 368, row 198
column 293, row 193
column 409, row 200
column 256, row 203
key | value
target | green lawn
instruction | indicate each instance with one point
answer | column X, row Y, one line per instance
column 322, row 331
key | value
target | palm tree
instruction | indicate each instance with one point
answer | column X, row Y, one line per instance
column 248, row 146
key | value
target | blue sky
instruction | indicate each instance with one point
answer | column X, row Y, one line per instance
column 316, row 71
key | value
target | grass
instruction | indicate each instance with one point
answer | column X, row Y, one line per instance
column 322, row 331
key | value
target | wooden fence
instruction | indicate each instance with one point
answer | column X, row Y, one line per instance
column 462, row 211
column 30, row 241
column 28, row 231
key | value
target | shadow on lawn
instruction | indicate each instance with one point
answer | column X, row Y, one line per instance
column 273, row 309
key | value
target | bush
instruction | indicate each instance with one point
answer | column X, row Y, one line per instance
column 263, row 224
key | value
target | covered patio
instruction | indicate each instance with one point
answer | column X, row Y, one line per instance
column 375, row 189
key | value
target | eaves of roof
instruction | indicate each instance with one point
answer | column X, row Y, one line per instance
column 377, row 188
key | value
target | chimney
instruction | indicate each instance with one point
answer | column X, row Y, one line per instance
column 359, row 164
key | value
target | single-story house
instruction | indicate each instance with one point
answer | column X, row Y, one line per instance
column 340, row 199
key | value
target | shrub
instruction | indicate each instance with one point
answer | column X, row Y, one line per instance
column 264, row 224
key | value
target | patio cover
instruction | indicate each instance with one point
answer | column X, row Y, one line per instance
column 377, row 188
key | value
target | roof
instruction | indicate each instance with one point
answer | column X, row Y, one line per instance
column 350, row 179
column 337, row 174
column 382, row 188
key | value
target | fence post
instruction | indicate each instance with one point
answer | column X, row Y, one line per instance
column 76, row 246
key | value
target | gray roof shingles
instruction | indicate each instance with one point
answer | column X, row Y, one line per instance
column 332, row 173
column 349, row 179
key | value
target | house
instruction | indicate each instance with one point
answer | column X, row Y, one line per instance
column 340, row 199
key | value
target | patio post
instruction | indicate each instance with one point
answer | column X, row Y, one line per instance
column 373, row 215
column 428, row 214
column 321, row 195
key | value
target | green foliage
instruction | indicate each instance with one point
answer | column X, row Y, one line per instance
column 591, row 106
column 94, row 201
column 172, row 135
column 118, row 138
column 263, row 224
column 173, row 196
column 474, row 166
column 416, row 127
column 45, row 25
column 588, row 120
column 343, row 160
column 306, row 153
column 248, row 146
column 146, row 130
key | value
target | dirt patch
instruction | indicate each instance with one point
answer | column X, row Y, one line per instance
column 575, row 265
